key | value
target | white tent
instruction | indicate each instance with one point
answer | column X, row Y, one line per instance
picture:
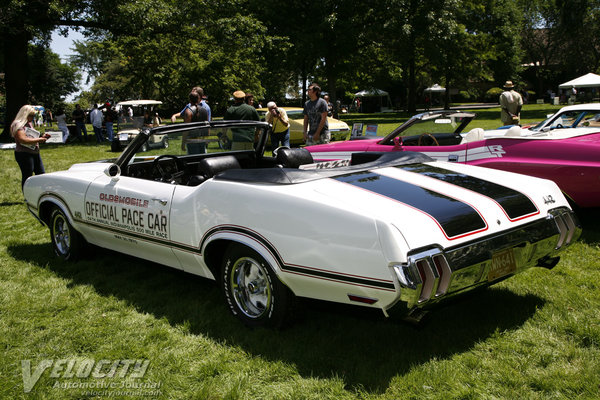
column 435, row 89
column 371, row 93
column 381, row 100
column 587, row 80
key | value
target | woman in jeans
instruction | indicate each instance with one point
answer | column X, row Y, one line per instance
column 27, row 152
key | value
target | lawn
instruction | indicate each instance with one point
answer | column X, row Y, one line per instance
column 534, row 336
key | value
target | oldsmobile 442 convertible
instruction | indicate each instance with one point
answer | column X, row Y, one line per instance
column 384, row 231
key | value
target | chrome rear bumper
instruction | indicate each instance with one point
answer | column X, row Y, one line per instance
column 433, row 274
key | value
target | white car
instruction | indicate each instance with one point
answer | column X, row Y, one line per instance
column 383, row 231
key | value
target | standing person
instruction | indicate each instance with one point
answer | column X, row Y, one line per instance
column 243, row 138
column 109, row 119
column 79, row 117
column 203, row 103
column 48, row 118
column 281, row 125
column 329, row 106
column 61, row 120
column 27, row 151
column 249, row 99
column 96, row 120
column 510, row 104
column 191, row 141
column 316, row 127
column 278, row 118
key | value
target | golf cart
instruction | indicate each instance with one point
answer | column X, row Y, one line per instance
column 132, row 116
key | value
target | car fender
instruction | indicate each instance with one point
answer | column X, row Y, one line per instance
column 221, row 236
column 45, row 205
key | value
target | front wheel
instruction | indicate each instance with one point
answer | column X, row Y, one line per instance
column 66, row 241
column 252, row 291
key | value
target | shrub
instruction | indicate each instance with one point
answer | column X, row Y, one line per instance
column 493, row 94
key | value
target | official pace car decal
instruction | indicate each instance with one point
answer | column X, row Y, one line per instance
column 515, row 204
column 455, row 218
column 126, row 214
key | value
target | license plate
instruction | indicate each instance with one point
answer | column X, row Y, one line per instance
column 123, row 136
column 503, row 263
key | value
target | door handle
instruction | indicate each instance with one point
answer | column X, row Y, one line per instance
column 161, row 201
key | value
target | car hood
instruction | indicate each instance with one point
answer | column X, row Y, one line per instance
column 337, row 125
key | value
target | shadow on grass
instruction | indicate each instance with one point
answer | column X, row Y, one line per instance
column 325, row 340
column 589, row 219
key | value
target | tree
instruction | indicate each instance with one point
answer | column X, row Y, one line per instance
column 50, row 80
column 21, row 22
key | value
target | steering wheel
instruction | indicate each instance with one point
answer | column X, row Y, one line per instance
column 430, row 136
column 559, row 126
column 166, row 176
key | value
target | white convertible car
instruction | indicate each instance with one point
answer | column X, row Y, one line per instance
column 384, row 231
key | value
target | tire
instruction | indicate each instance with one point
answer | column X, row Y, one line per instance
column 67, row 242
column 144, row 148
column 165, row 143
column 244, row 271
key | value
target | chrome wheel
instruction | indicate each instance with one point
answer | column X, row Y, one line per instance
column 61, row 234
column 251, row 287
column 66, row 241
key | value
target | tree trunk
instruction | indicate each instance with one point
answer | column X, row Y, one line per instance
column 412, row 107
column 16, row 76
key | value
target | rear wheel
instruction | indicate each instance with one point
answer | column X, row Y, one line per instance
column 252, row 291
column 66, row 241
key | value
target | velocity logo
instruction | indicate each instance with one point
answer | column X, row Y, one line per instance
column 72, row 368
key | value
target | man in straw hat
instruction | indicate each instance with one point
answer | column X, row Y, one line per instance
column 243, row 138
column 510, row 104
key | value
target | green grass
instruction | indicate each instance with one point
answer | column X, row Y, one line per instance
column 534, row 336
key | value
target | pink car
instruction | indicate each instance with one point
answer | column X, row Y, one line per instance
column 568, row 154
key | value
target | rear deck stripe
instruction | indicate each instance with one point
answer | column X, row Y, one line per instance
column 455, row 218
column 515, row 204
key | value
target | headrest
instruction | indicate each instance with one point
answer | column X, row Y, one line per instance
column 293, row 158
column 513, row 131
column 213, row 165
column 473, row 135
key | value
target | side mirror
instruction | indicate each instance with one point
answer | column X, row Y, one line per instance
column 113, row 171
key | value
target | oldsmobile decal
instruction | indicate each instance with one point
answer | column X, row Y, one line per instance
column 455, row 218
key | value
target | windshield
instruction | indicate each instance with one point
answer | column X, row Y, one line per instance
column 431, row 123
column 195, row 138
column 571, row 119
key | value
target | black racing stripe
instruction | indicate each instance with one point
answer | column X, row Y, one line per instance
column 296, row 268
column 333, row 276
column 455, row 217
column 515, row 204
column 248, row 232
